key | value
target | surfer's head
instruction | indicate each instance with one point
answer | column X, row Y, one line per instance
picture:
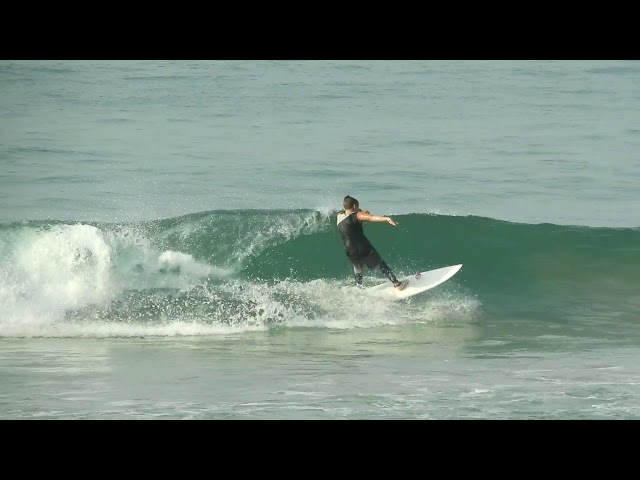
column 349, row 202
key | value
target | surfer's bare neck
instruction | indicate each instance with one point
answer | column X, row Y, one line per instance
column 349, row 211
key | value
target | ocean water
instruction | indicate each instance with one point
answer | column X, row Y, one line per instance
column 168, row 246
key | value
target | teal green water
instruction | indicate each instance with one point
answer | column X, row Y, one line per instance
column 168, row 245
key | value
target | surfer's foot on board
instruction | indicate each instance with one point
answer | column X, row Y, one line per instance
column 401, row 285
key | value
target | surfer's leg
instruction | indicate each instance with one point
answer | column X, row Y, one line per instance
column 377, row 261
column 384, row 268
column 374, row 260
column 357, row 272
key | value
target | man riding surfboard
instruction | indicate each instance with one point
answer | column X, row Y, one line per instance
column 357, row 246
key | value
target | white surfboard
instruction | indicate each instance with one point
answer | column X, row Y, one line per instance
column 418, row 283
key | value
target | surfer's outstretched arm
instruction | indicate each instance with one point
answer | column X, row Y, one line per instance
column 365, row 216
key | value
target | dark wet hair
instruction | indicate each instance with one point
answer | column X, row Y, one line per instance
column 349, row 202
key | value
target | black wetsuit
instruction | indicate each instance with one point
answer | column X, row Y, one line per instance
column 358, row 247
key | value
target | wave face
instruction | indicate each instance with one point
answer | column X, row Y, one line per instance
column 235, row 271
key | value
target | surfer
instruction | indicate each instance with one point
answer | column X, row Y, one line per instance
column 357, row 246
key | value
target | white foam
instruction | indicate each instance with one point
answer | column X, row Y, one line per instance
column 114, row 329
column 70, row 265
column 61, row 268
column 182, row 262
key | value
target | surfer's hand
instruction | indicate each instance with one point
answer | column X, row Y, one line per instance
column 392, row 222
